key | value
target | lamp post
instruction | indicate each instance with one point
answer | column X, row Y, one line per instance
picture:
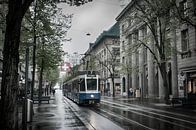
column 24, row 117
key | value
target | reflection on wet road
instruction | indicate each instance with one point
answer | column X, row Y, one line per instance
column 136, row 117
column 63, row 114
column 55, row 116
column 91, row 119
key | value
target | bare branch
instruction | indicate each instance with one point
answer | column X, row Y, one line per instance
column 151, row 51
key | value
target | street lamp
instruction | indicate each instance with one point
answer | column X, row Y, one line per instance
column 88, row 34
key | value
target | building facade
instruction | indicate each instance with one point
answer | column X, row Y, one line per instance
column 141, row 71
column 104, row 57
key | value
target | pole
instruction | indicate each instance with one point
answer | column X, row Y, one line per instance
column 24, row 118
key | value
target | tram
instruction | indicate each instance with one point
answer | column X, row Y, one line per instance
column 83, row 88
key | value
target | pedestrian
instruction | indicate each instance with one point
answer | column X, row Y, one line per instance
column 53, row 91
column 131, row 91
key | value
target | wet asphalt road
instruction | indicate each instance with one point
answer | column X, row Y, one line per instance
column 63, row 114
column 136, row 117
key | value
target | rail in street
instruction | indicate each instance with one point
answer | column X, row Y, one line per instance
column 62, row 113
column 91, row 119
column 131, row 116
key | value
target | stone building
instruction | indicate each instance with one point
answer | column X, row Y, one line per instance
column 140, row 70
column 104, row 57
column 186, row 43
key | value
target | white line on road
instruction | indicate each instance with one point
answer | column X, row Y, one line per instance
column 132, row 121
column 147, row 108
column 138, row 109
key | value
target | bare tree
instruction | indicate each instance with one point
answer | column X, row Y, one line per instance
column 154, row 15
column 111, row 63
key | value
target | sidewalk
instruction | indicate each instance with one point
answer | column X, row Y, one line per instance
column 54, row 116
column 156, row 104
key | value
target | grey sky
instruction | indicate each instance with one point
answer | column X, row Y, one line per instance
column 90, row 18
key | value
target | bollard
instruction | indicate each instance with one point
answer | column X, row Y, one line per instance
column 29, row 110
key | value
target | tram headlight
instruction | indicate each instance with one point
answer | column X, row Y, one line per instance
column 92, row 96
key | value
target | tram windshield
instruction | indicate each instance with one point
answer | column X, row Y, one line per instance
column 91, row 84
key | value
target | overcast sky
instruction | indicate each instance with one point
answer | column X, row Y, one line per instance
column 93, row 18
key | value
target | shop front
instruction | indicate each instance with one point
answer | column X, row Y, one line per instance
column 191, row 84
column 187, row 85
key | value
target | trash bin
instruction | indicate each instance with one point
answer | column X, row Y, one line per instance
column 29, row 110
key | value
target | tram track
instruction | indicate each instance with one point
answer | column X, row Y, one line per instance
column 158, row 112
column 151, row 109
column 105, row 113
column 86, row 123
column 134, row 116
column 149, row 114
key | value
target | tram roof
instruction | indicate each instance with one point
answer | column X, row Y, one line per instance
column 81, row 74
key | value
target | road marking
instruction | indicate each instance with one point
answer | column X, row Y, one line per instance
column 132, row 121
column 161, row 120
column 138, row 109
column 147, row 108
column 142, row 108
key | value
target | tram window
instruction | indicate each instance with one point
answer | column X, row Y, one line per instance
column 82, row 85
column 91, row 84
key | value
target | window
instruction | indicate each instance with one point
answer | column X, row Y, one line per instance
column 185, row 40
column 137, row 58
column 185, row 44
column 130, row 39
column 123, row 45
column 184, row 8
column 144, row 32
column 91, row 84
column 123, row 28
column 118, row 61
column 115, row 42
column 145, row 55
column 116, row 75
column 123, row 59
column 116, row 50
column 136, row 37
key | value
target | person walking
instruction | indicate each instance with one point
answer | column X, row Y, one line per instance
column 53, row 91
column 131, row 92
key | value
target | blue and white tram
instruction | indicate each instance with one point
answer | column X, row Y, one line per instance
column 83, row 89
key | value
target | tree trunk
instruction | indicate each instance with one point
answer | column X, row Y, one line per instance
column 10, row 71
column 165, row 81
column 34, row 50
column 113, row 93
column 9, row 84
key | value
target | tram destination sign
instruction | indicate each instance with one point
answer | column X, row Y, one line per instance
column 91, row 75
